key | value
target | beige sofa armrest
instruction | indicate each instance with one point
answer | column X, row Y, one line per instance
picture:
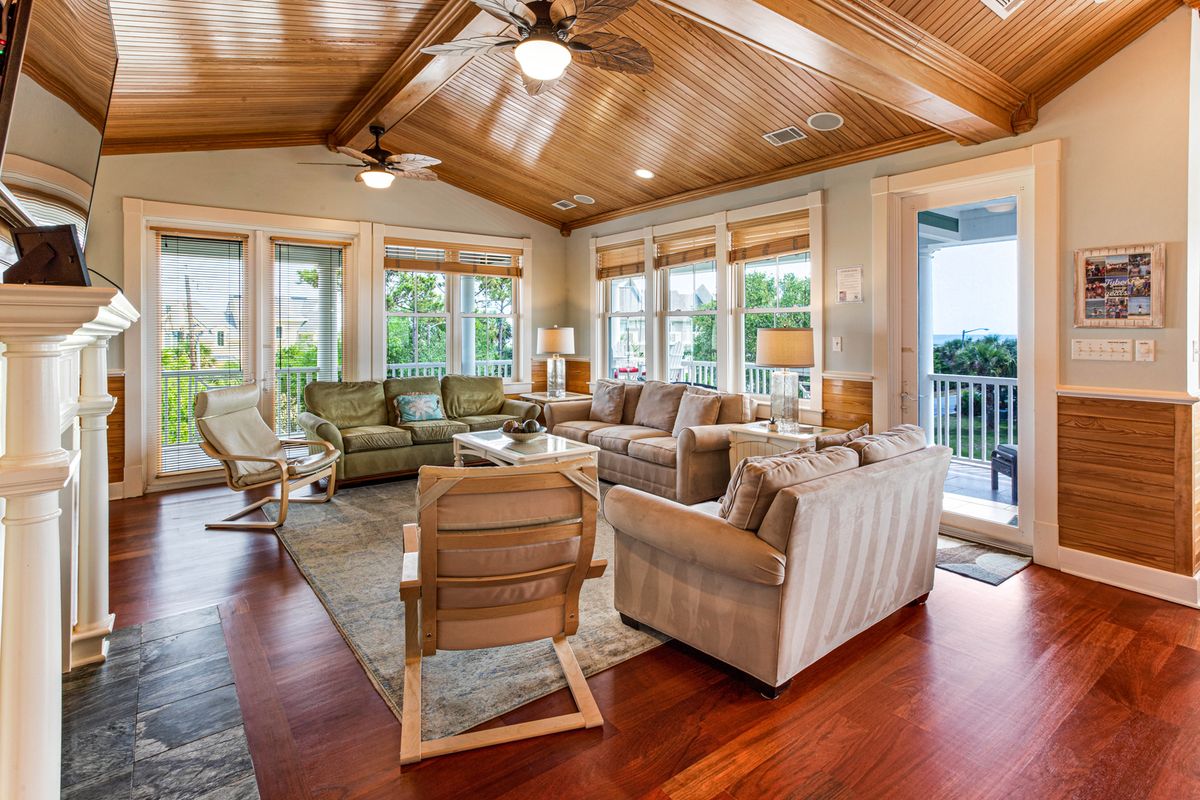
column 520, row 409
column 566, row 412
column 703, row 439
column 323, row 429
column 693, row 536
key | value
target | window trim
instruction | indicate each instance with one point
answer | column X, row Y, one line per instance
column 608, row 315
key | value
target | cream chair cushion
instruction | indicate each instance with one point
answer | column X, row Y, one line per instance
column 228, row 419
column 843, row 438
column 899, row 441
column 758, row 479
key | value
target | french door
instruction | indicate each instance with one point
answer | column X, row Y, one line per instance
column 234, row 308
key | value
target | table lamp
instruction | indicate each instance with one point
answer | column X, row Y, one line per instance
column 785, row 348
column 555, row 342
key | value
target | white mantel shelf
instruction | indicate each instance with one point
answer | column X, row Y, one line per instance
column 54, row 612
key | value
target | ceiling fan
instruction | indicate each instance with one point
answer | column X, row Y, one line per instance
column 550, row 35
column 380, row 167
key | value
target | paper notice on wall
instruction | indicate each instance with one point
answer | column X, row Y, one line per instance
column 850, row 285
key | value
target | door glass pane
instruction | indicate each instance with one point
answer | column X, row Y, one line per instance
column 201, row 342
column 627, row 348
column 308, row 325
column 416, row 346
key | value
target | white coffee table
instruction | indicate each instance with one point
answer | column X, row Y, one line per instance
column 499, row 449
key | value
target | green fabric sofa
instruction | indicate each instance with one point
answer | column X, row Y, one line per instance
column 359, row 418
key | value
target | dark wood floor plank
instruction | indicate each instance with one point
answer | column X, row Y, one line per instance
column 1045, row 686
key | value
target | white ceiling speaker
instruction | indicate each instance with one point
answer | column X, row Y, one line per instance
column 826, row 121
column 585, row 199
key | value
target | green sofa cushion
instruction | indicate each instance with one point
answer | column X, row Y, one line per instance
column 421, row 384
column 471, row 395
column 486, row 422
column 435, row 430
column 375, row 437
column 347, row 405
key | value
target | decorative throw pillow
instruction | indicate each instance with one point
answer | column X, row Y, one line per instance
column 735, row 408
column 658, row 405
column 843, row 438
column 900, row 440
column 608, row 399
column 758, row 479
column 419, row 407
column 696, row 409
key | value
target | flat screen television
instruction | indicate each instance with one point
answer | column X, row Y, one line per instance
column 56, row 79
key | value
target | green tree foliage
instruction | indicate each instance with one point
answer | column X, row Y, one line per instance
column 990, row 356
column 413, row 339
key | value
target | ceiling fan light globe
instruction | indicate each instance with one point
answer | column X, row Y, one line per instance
column 376, row 178
column 542, row 59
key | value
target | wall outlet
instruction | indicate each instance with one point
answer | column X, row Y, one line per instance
column 837, row 344
column 1143, row 350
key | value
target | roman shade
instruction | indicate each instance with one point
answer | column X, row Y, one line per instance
column 689, row 247
column 768, row 237
column 426, row 256
column 620, row 260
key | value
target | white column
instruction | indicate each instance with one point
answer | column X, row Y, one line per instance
column 32, row 471
column 89, row 639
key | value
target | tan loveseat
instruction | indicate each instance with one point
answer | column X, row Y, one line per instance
column 689, row 465
column 831, row 557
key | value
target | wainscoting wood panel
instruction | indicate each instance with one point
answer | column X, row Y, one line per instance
column 116, row 429
column 847, row 403
column 579, row 375
column 1127, row 481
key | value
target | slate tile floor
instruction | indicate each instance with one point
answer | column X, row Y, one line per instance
column 159, row 720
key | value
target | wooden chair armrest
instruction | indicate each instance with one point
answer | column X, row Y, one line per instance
column 596, row 569
column 412, row 537
column 410, row 573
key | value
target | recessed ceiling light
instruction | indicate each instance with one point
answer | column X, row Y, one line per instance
column 825, row 121
column 584, row 199
column 643, row 173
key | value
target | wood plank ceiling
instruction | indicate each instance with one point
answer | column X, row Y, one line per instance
column 247, row 73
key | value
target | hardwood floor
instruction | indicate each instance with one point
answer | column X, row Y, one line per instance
column 1046, row 686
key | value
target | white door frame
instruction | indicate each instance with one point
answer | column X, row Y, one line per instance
column 1035, row 169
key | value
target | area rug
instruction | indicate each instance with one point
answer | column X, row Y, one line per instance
column 978, row 561
column 351, row 550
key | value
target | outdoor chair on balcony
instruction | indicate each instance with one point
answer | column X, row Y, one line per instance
column 234, row 433
column 1004, row 462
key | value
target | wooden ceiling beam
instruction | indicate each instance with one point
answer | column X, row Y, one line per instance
column 865, row 46
column 415, row 77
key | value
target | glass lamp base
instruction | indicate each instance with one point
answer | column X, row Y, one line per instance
column 556, row 376
column 785, row 399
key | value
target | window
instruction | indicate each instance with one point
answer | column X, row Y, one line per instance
column 451, row 308
column 201, row 324
column 776, row 293
column 687, row 262
column 620, row 269
column 308, row 324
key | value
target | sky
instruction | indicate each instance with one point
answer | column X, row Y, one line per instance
column 975, row 286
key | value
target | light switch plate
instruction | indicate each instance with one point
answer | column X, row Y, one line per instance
column 1143, row 350
column 837, row 344
column 1102, row 349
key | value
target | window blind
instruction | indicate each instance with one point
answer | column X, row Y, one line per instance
column 47, row 210
column 202, row 337
column 407, row 254
column 769, row 236
column 688, row 247
column 619, row 260
column 307, row 335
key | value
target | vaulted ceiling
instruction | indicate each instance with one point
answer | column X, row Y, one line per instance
column 903, row 74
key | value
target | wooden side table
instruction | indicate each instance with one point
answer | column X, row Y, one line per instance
column 543, row 399
column 753, row 439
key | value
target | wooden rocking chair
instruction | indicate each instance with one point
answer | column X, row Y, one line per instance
column 234, row 433
column 498, row 558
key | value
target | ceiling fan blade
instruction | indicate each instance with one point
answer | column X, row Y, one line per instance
column 469, row 47
column 534, row 87
column 417, row 174
column 585, row 15
column 327, row 164
column 350, row 151
column 410, row 161
column 513, row 12
column 611, row 52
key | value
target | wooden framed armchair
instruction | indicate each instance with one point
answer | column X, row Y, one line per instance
column 234, row 433
column 498, row 558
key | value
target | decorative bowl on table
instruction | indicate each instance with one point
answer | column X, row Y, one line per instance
column 526, row 432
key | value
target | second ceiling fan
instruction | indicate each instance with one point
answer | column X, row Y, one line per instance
column 550, row 35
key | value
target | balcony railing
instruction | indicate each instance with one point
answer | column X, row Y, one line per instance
column 758, row 379
column 971, row 414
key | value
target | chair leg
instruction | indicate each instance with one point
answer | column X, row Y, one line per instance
column 410, row 725
column 229, row 523
column 919, row 601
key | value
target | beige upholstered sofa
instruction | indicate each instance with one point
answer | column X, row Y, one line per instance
column 831, row 557
column 641, row 444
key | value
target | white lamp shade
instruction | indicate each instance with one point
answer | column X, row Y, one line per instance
column 785, row 347
column 556, row 340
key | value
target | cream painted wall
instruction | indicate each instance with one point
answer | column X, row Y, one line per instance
column 1125, row 133
column 271, row 180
